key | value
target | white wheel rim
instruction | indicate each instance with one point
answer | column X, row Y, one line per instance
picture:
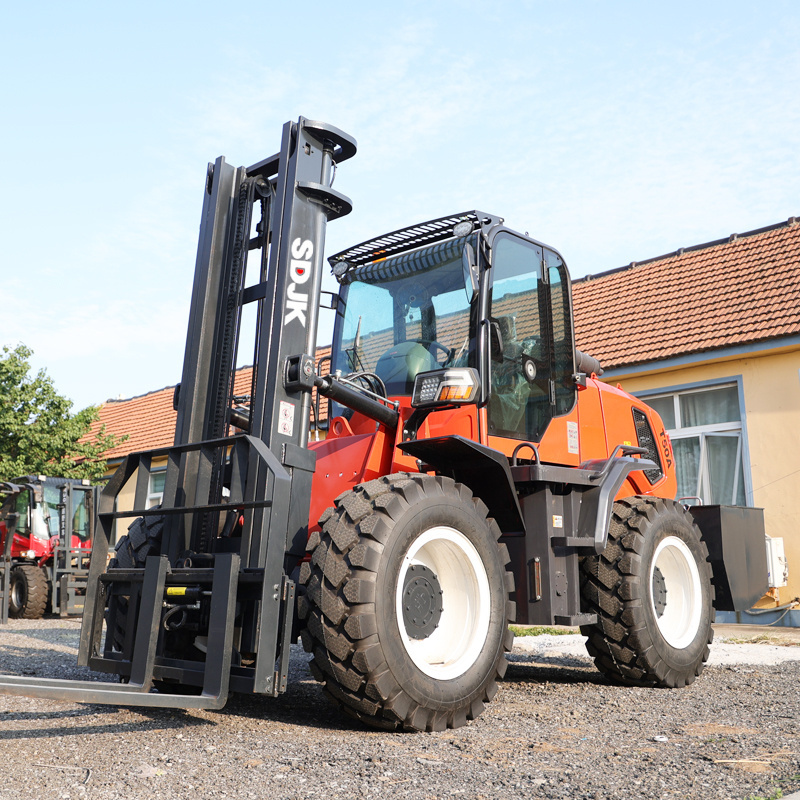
column 455, row 644
column 680, row 619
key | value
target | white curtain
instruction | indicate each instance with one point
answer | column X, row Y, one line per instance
column 687, row 463
column 721, row 455
column 707, row 408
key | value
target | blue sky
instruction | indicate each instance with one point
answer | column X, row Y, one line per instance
column 613, row 131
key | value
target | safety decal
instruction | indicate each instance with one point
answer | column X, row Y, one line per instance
column 572, row 438
column 286, row 418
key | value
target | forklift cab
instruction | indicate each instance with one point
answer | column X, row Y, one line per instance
column 492, row 300
column 34, row 512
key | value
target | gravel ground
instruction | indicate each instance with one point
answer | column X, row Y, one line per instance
column 556, row 729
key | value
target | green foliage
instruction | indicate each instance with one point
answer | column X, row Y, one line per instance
column 39, row 434
column 538, row 630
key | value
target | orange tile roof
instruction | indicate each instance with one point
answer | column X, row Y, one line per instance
column 149, row 419
column 735, row 291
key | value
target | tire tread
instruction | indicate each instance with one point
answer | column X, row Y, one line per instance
column 37, row 592
column 620, row 642
column 347, row 657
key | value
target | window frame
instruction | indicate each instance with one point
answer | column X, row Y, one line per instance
column 720, row 428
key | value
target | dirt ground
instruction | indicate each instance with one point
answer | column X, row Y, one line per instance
column 557, row 729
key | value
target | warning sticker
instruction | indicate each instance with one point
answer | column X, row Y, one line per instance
column 572, row 438
column 286, row 418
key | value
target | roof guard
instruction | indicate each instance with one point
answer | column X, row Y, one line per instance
column 406, row 239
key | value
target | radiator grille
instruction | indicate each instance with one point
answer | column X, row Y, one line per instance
column 645, row 438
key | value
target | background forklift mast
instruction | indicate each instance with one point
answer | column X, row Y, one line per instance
column 46, row 528
column 472, row 476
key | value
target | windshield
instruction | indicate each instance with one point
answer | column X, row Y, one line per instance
column 15, row 514
column 406, row 315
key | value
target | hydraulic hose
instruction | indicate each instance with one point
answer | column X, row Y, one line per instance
column 754, row 612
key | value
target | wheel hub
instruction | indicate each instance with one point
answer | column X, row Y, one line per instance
column 659, row 592
column 422, row 601
column 17, row 595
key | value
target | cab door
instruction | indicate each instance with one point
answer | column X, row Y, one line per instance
column 531, row 340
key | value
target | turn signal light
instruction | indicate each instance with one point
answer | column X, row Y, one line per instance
column 445, row 387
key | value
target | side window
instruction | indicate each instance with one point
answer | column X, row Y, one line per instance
column 49, row 511
column 520, row 403
column 14, row 512
column 80, row 515
column 563, row 339
column 8, row 512
column 367, row 333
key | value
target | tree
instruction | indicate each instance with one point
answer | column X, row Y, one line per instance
column 39, row 434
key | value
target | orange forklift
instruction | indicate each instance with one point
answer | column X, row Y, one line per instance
column 476, row 473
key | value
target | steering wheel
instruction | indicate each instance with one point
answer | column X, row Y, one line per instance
column 430, row 345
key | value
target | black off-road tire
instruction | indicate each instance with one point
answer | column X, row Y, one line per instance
column 28, row 593
column 377, row 538
column 142, row 539
column 649, row 633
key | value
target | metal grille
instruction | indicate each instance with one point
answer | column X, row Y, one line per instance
column 645, row 438
column 392, row 244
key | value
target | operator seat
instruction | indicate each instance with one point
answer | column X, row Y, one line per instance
column 518, row 407
column 400, row 364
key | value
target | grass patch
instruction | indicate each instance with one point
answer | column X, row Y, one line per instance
column 760, row 639
column 778, row 793
column 538, row 630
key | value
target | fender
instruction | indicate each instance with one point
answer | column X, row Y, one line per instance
column 484, row 470
column 487, row 473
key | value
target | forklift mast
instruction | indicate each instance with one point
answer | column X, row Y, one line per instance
column 293, row 189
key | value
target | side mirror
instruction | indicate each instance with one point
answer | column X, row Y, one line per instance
column 469, row 266
column 496, row 342
column 36, row 495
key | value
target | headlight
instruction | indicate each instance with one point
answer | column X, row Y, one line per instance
column 445, row 387
column 31, row 554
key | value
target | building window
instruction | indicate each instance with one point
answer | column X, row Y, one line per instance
column 705, row 426
column 155, row 491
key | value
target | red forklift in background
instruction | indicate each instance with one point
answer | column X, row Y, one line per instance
column 46, row 527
